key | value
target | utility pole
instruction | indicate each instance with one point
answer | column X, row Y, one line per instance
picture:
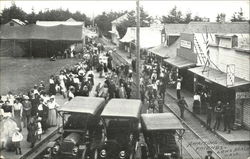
column 138, row 49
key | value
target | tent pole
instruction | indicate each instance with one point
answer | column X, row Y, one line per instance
column 14, row 47
column 46, row 47
column 30, row 48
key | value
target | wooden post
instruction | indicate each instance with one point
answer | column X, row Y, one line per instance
column 138, row 49
column 30, row 51
column 14, row 47
column 46, row 46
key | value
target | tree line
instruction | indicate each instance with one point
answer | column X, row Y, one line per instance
column 103, row 21
column 15, row 12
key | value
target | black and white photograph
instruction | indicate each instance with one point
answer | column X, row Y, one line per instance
column 124, row 79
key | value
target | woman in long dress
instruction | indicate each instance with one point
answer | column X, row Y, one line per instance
column 52, row 116
column 17, row 111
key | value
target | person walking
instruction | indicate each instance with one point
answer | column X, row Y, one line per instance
column 17, row 137
column 178, row 87
column 209, row 114
column 17, row 111
column 32, row 129
column 196, row 103
column 227, row 112
column 218, row 112
column 182, row 103
column 26, row 111
column 52, row 116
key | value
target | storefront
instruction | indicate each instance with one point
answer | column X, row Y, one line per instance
column 185, row 58
column 237, row 92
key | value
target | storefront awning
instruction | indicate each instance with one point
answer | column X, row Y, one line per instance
column 218, row 77
column 180, row 62
column 160, row 51
column 165, row 51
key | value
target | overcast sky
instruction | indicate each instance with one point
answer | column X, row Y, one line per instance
column 208, row 9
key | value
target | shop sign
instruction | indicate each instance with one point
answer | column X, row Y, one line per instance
column 230, row 75
column 186, row 44
column 242, row 95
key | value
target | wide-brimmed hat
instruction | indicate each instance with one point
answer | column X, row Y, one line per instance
column 26, row 97
column 52, row 97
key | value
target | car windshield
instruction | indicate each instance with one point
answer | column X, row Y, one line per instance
column 75, row 121
column 119, row 129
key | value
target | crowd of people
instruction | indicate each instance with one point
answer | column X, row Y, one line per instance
column 34, row 111
column 157, row 77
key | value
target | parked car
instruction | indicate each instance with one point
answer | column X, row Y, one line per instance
column 80, row 128
column 159, row 131
column 121, row 129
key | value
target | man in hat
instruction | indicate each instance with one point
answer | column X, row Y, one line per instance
column 182, row 103
column 227, row 112
column 218, row 112
column 209, row 155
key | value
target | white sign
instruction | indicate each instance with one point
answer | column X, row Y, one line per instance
column 230, row 75
column 242, row 95
column 186, row 44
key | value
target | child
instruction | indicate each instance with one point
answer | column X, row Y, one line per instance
column 39, row 128
column 17, row 137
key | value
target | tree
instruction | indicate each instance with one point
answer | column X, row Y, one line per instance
column 145, row 21
column 197, row 19
column 174, row 16
column 188, row 18
column 104, row 20
column 238, row 16
column 31, row 18
column 13, row 12
column 221, row 17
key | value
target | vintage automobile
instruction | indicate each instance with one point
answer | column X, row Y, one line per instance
column 121, row 129
column 159, row 131
column 80, row 127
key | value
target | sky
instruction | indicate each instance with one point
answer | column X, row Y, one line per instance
column 208, row 9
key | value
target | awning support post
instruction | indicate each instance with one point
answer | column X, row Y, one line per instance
column 14, row 47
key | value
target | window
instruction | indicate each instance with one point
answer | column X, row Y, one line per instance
column 11, row 24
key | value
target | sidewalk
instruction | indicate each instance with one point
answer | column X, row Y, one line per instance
column 236, row 136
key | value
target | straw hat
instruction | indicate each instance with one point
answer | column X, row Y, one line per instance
column 26, row 97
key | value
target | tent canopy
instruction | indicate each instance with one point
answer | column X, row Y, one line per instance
column 28, row 32
column 149, row 36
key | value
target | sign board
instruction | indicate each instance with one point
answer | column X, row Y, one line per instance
column 186, row 44
column 230, row 75
column 242, row 95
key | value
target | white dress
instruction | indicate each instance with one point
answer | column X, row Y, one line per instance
column 52, row 117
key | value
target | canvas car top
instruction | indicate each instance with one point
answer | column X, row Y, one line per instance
column 122, row 108
column 88, row 105
column 161, row 121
